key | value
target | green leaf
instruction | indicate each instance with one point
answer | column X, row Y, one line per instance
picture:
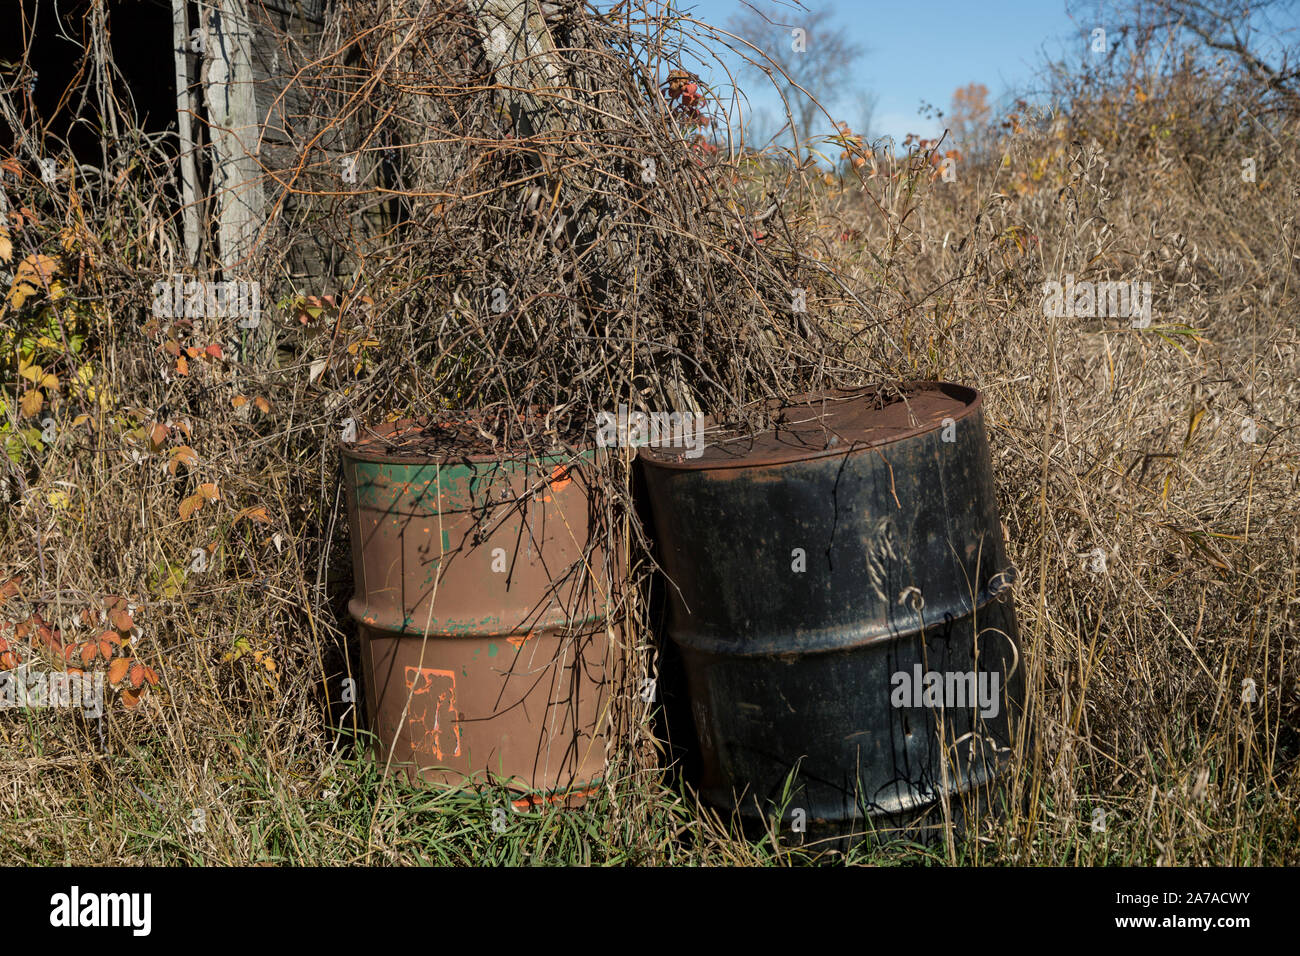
column 167, row 580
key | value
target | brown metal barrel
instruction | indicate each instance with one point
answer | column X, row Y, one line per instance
column 481, row 601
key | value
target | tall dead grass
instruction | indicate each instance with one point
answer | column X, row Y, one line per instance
column 1107, row 439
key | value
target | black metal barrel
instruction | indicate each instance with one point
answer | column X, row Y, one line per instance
column 841, row 599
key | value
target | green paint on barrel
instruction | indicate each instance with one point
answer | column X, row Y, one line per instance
column 423, row 530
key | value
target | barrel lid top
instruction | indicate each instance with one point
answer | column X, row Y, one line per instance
column 458, row 436
column 830, row 423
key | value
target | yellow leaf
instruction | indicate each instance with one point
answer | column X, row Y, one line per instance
column 80, row 420
column 31, row 372
column 32, row 403
column 49, row 383
column 102, row 395
column 6, row 246
column 58, row 499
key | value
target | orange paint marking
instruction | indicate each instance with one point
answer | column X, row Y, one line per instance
column 558, row 481
column 560, row 477
column 423, row 682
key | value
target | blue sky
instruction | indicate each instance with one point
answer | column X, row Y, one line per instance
column 925, row 49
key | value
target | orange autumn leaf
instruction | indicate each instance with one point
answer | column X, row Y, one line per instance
column 182, row 366
column 136, row 675
column 89, row 651
column 150, row 676
column 213, row 351
column 184, row 455
column 255, row 514
column 130, row 698
column 34, row 275
column 105, row 650
column 189, row 506
column 208, row 490
column 117, row 670
column 239, row 401
column 121, row 620
column 262, row 404
column 9, row 588
column 157, row 435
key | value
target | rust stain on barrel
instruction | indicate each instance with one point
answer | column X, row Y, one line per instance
column 429, row 533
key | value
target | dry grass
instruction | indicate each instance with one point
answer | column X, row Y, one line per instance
column 1105, row 437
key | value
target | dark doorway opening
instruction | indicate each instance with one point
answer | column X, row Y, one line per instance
column 51, row 59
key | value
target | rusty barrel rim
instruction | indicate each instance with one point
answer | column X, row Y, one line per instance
column 373, row 439
column 967, row 402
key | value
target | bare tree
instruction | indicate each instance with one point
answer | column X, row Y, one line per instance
column 808, row 59
column 1235, row 29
